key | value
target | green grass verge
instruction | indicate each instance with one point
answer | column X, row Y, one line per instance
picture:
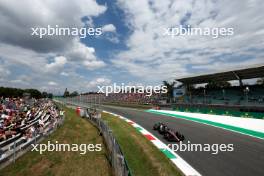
column 75, row 130
column 142, row 156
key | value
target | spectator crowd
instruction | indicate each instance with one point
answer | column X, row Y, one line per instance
column 127, row 98
column 21, row 123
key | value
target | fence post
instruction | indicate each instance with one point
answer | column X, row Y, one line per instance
column 35, row 137
column 14, row 153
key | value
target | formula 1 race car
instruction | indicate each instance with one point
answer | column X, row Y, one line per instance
column 157, row 126
column 161, row 128
column 173, row 136
column 168, row 134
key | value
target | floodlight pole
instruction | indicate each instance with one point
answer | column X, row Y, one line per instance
column 224, row 94
column 204, row 95
column 247, row 91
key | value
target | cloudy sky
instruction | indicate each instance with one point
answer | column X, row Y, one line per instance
column 132, row 49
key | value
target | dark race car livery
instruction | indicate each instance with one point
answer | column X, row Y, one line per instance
column 168, row 134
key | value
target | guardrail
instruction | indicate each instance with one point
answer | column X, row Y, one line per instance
column 116, row 157
column 237, row 111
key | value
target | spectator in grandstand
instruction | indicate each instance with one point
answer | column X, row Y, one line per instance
column 2, row 134
column 9, row 133
column 30, row 133
column 40, row 128
column 17, row 128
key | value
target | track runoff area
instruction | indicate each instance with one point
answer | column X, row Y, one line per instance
column 226, row 147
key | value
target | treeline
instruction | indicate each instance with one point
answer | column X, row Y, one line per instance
column 68, row 94
column 15, row 92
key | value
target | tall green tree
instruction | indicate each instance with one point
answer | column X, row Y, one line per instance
column 50, row 95
column 44, row 95
column 66, row 93
column 170, row 87
column 14, row 92
column 74, row 94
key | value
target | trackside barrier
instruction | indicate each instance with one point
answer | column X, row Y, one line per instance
column 221, row 110
column 116, row 157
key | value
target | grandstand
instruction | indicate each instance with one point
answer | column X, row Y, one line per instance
column 125, row 98
column 22, row 124
column 245, row 98
column 256, row 71
column 250, row 95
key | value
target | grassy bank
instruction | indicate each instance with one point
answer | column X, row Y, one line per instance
column 75, row 130
column 142, row 156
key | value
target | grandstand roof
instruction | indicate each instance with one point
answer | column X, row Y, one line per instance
column 229, row 75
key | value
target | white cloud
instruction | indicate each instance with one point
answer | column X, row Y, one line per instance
column 109, row 28
column 51, row 83
column 18, row 17
column 41, row 60
column 58, row 63
column 84, row 55
column 64, row 74
column 153, row 56
column 149, row 56
column 98, row 82
column 15, row 55
column 4, row 72
column 109, row 33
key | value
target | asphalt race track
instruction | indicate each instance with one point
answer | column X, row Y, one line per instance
column 246, row 159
